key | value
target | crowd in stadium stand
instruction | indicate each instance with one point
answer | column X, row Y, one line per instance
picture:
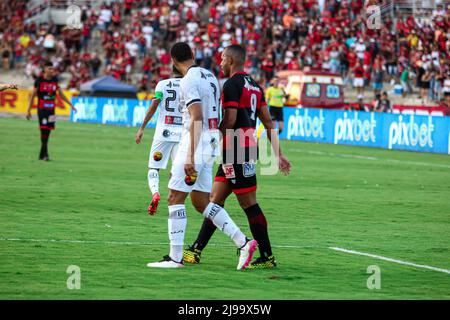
column 134, row 38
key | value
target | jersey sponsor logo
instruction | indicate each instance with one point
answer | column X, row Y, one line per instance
column 206, row 75
column 173, row 120
column 248, row 169
column 157, row 155
column 213, row 123
column 190, row 180
column 174, row 84
column 228, row 169
column 249, row 86
column 166, row 133
column 213, row 143
column 48, row 87
column 46, row 103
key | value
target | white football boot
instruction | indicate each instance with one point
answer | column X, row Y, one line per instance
column 166, row 262
column 246, row 254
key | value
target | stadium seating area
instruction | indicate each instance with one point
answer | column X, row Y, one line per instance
column 130, row 39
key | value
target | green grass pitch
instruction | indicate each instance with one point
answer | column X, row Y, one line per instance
column 87, row 208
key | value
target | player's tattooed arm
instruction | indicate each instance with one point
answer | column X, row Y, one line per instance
column 30, row 104
column 195, row 130
column 272, row 135
column 148, row 116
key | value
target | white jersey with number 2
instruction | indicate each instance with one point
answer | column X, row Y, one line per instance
column 169, row 124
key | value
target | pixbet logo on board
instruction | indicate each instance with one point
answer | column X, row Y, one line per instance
column 306, row 125
column 355, row 129
column 410, row 133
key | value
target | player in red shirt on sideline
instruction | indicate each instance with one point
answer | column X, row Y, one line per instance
column 242, row 101
column 46, row 88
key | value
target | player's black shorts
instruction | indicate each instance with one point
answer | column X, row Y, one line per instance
column 276, row 113
column 241, row 177
column 46, row 118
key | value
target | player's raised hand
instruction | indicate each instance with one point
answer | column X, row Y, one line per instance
column 13, row 86
column 139, row 135
column 284, row 165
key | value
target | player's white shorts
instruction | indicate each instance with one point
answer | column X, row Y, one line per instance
column 358, row 82
column 180, row 182
column 160, row 153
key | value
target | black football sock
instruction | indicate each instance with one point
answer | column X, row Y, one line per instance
column 45, row 134
column 258, row 227
column 205, row 234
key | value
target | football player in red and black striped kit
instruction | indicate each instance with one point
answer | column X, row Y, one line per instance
column 242, row 102
column 46, row 88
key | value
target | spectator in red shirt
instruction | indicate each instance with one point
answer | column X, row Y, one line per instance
column 358, row 78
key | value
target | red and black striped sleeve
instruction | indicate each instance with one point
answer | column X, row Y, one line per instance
column 231, row 94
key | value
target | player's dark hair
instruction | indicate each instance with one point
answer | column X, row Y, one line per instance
column 48, row 64
column 238, row 52
column 181, row 52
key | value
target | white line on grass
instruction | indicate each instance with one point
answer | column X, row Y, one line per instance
column 406, row 263
column 142, row 243
column 136, row 243
column 355, row 156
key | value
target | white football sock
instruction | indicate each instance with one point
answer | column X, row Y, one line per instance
column 222, row 221
column 177, row 228
column 153, row 180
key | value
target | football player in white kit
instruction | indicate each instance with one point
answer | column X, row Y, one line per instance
column 167, row 134
column 193, row 164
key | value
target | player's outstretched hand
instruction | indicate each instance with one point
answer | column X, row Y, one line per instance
column 28, row 116
column 139, row 135
column 284, row 165
column 13, row 86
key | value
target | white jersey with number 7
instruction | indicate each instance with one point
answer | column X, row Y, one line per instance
column 201, row 86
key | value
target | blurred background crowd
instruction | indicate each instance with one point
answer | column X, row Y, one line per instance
column 130, row 40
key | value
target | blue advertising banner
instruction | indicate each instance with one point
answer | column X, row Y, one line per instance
column 115, row 111
column 370, row 129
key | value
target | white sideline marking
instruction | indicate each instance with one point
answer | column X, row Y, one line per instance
column 355, row 156
column 137, row 243
column 140, row 243
column 406, row 263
